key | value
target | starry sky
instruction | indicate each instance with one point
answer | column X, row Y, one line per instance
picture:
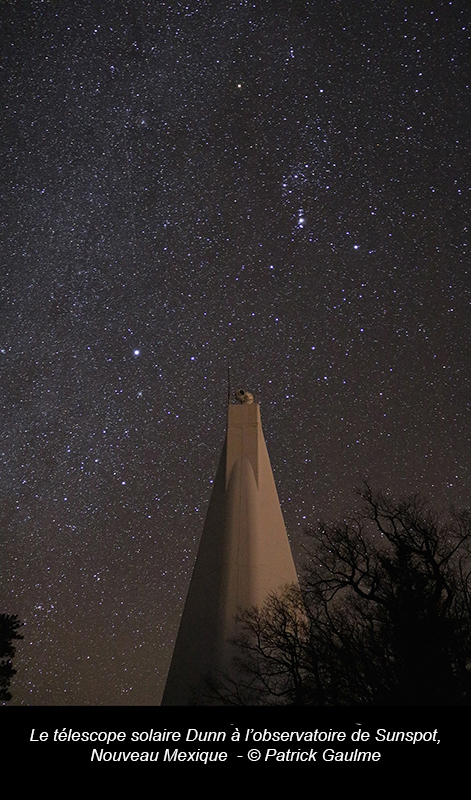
column 279, row 187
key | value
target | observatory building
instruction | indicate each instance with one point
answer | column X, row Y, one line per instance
column 244, row 556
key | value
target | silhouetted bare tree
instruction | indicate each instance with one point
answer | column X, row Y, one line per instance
column 383, row 618
column 9, row 627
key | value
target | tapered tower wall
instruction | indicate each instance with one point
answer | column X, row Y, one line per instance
column 243, row 557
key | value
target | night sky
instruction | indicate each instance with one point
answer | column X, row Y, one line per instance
column 282, row 187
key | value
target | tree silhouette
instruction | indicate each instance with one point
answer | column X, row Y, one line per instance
column 9, row 627
column 383, row 618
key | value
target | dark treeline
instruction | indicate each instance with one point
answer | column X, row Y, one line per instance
column 383, row 616
column 9, row 627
